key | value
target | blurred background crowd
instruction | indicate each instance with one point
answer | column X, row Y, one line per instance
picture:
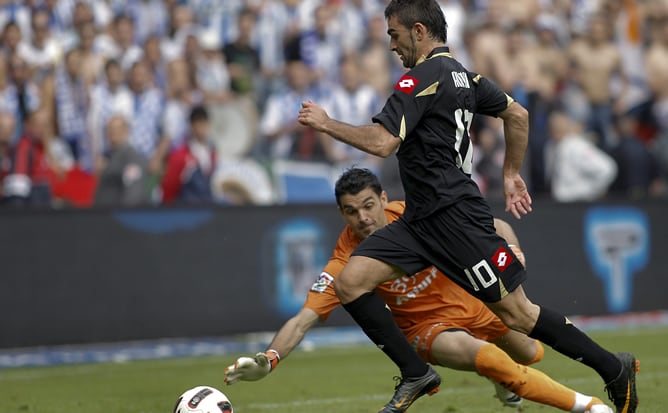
column 140, row 102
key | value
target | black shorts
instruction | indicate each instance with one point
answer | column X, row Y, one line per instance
column 460, row 241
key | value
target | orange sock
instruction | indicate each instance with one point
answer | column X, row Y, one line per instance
column 524, row 381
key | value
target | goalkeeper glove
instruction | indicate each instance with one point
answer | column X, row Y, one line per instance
column 252, row 368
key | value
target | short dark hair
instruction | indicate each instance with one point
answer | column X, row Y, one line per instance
column 111, row 63
column 198, row 113
column 427, row 12
column 355, row 180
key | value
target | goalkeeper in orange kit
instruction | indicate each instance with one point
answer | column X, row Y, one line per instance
column 445, row 324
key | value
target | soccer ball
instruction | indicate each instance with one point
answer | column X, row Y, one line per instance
column 203, row 399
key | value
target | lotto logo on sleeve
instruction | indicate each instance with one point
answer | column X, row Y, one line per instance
column 502, row 259
column 406, row 84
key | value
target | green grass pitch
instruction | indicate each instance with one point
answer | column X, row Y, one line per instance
column 337, row 379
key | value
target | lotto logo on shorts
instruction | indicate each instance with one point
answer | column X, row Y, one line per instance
column 502, row 259
column 406, row 84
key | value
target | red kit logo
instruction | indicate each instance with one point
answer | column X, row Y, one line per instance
column 406, row 84
column 502, row 259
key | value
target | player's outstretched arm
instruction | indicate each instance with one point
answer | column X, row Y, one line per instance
column 373, row 139
column 286, row 339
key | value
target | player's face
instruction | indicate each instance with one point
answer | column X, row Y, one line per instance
column 402, row 42
column 364, row 211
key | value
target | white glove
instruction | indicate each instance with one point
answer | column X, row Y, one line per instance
column 251, row 368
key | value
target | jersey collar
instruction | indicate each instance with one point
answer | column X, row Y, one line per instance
column 436, row 52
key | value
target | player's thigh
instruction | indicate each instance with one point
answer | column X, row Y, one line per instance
column 456, row 349
column 461, row 242
column 516, row 311
column 519, row 347
column 362, row 274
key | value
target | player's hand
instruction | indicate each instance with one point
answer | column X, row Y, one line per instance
column 518, row 200
column 312, row 115
column 250, row 368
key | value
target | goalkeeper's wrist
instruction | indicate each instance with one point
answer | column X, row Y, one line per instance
column 273, row 357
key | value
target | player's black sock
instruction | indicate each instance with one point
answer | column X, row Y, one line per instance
column 376, row 321
column 556, row 331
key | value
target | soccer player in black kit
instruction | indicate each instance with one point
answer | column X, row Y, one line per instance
column 447, row 221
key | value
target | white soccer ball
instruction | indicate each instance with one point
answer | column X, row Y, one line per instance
column 203, row 399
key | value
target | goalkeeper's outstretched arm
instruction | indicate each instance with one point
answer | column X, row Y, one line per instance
column 286, row 339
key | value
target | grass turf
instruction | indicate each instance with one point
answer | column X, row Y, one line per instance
column 337, row 379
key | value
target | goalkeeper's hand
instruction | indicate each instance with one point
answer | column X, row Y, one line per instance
column 252, row 368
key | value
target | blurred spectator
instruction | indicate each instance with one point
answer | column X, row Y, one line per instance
column 38, row 160
column 488, row 37
column 350, row 18
column 579, row 170
column 66, row 19
column 218, row 17
column 595, row 61
column 231, row 57
column 150, row 18
column 243, row 63
column 156, row 62
column 72, row 108
column 629, row 25
column 520, row 12
column 656, row 62
column 380, row 66
column 455, row 16
column 181, row 97
column 522, row 68
column 243, row 60
column 122, row 171
column 6, row 106
column 638, row 175
column 7, row 125
column 548, row 75
column 16, row 13
column 190, row 166
column 180, row 24
column 320, row 47
column 92, row 60
column 109, row 97
column 145, row 131
column 21, row 96
column 211, row 73
column 279, row 23
column 42, row 51
column 354, row 102
column 12, row 36
column 284, row 136
column 123, row 46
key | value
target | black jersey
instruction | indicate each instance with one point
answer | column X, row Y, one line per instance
column 431, row 110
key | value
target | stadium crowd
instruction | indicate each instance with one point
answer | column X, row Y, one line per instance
column 135, row 102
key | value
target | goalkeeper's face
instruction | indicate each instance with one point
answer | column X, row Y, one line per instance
column 364, row 211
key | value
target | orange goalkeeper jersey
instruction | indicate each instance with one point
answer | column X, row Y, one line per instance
column 427, row 297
